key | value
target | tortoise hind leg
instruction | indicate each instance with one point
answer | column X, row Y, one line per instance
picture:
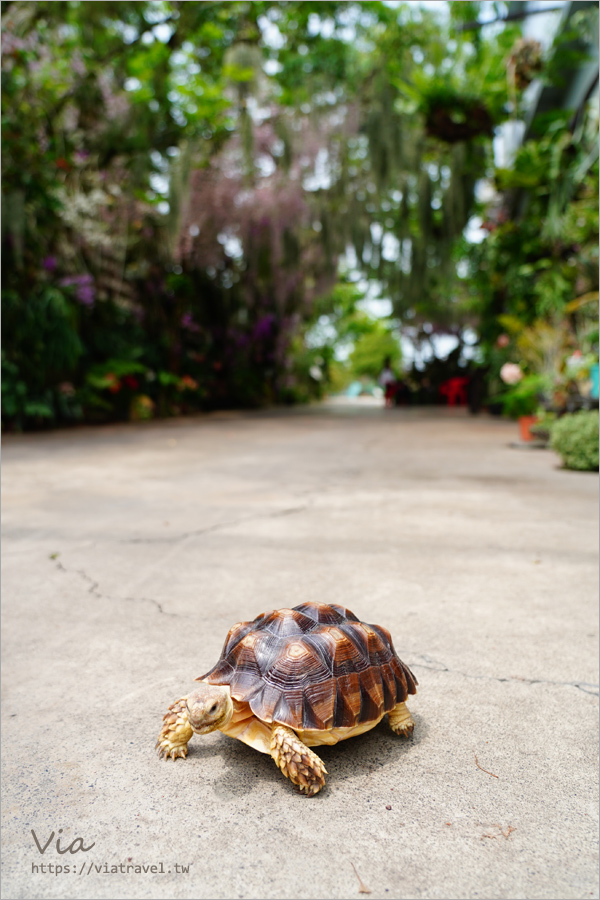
column 176, row 731
column 401, row 721
column 296, row 761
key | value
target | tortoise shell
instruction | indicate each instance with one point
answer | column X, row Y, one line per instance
column 314, row 667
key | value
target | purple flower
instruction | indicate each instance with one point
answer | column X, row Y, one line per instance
column 75, row 279
column 50, row 263
column 263, row 327
column 85, row 291
column 86, row 294
column 188, row 322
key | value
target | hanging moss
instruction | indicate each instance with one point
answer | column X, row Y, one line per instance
column 424, row 207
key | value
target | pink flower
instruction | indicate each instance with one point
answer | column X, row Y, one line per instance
column 502, row 341
column 511, row 373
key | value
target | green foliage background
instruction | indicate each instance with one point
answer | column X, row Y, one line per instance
column 181, row 180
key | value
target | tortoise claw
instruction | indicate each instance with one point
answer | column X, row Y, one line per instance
column 166, row 749
column 401, row 721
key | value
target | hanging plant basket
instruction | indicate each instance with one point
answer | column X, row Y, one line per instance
column 460, row 120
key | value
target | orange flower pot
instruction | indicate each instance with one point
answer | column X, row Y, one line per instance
column 525, row 423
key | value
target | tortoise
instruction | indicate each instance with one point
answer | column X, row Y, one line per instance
column 293, row 679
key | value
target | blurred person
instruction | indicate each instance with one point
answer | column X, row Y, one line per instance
column 388, row 382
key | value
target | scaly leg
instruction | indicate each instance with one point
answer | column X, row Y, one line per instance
column 176, row 731
column 401, row 721
column 296, row 761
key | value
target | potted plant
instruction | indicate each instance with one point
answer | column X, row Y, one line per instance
column 542, row 428
column 523, row 398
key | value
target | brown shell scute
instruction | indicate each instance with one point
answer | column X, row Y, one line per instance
column 315, row 666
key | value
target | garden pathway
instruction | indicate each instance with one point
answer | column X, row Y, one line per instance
column 130, row 550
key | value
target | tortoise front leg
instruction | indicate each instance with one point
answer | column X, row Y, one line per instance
column 401, row 721
column 176, row 731
column 296, row 761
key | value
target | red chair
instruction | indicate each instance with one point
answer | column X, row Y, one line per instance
column 455, row 391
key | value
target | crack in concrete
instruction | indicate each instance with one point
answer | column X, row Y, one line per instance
column 94, row 589
column 585, row 686
column 219, row 526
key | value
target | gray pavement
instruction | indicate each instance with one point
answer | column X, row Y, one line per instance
column 130, row 550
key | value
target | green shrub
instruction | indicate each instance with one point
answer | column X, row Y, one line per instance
column 575, row 439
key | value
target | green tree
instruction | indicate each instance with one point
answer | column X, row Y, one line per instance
column 372, row 350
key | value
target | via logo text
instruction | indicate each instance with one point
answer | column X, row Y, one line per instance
column 73, row 847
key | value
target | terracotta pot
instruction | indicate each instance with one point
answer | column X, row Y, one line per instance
column 525, row 423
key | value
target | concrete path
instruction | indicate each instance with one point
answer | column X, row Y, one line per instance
column 130, row 550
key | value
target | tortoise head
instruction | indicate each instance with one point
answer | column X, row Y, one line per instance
column 209, row 707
